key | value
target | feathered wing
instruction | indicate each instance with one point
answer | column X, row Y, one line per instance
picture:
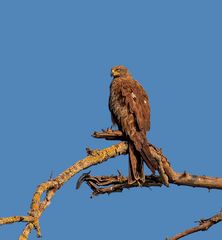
column 129, row 105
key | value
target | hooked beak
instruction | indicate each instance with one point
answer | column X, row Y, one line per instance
column 113, row 73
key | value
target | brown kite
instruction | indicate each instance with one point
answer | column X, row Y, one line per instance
column 130, row 110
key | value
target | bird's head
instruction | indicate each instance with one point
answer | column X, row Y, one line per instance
column 119, row 71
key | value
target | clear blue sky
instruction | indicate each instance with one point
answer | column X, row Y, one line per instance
column 55, row 60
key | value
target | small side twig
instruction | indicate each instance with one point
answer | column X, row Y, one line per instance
column 109, row 135
column 204, row 224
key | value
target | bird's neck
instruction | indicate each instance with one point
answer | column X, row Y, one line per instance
column 124, row 77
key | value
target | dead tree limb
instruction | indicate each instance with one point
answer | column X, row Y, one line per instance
column 110, row 184
column 50, row 187
column 184, row 178
column 204, row 225
column 113, row 184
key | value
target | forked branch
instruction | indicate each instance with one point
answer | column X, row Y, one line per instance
column 50, row 187
column 106, row 184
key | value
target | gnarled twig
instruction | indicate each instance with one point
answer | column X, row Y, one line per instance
column 204, row 224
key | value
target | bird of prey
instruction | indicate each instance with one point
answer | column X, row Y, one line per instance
column 130, row 110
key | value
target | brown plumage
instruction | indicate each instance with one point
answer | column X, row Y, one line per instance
column 130, row 110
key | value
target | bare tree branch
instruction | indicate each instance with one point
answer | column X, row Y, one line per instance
column 109, row 134
column 118, row 183
column 106, row 184
column 204, row 224
column 50, row 187
column 173, row 177
column 115, row 183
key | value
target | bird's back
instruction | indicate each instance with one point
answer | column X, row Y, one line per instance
column 129, row 99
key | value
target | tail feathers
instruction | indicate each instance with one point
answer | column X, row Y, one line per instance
column 147, row 157
column 136, row 173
